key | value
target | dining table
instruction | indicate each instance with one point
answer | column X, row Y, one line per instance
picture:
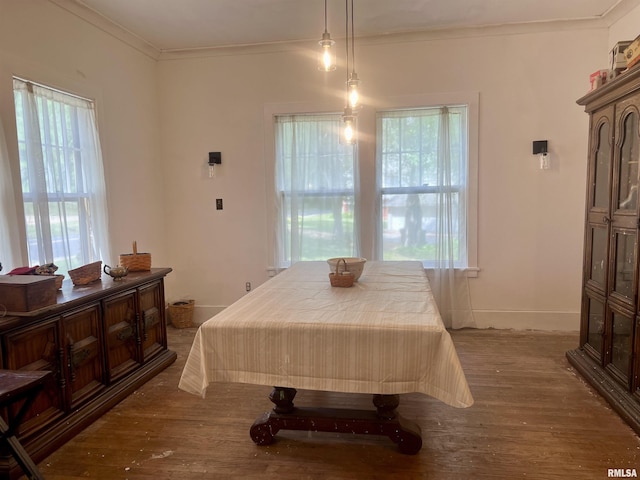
column 382, row 336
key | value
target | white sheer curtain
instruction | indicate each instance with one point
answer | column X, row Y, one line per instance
column 450, row 285
column 316, row 189
column 10, row 254
column 62, row 177
column 422, row 209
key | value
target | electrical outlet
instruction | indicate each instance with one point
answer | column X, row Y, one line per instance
column 218, row 204
column 248, row 286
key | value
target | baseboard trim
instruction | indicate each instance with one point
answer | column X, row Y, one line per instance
column 527, row 320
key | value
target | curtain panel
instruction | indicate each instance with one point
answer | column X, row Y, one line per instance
column 62, row 174
column 422, row 175
column 316, row 182
column 10, row 252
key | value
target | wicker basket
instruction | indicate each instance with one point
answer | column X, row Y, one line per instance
column 136, row 262
column 86, row 273
column 181, row 313
column 341, row 279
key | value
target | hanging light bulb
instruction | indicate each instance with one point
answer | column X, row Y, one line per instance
column 327, row 54
column 354, row 95
column 349, row 129
column 353, row 81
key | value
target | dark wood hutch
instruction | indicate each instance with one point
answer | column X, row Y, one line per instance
column 102, row 341
column 609, row 352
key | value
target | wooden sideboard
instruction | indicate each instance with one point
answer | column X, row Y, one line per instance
column 101, row 341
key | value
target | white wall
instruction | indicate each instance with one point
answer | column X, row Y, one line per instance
column 530, row 221
column 45, row 43
column 158, row 120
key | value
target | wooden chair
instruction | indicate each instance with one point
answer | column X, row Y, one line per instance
column 15, row 386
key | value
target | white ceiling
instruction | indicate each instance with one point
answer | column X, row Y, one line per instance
column 174, row 25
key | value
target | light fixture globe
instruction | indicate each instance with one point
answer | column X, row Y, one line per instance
column 353, row 89
column 327, row 54
column 348, row 135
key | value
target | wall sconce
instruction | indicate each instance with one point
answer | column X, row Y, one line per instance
column 540, row 149
column 215, row 158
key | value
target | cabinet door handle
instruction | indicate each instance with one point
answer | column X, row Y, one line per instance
column 79, row 356
column 125, row 333
column 606, row 219
column 70, row 363
column 150, row 318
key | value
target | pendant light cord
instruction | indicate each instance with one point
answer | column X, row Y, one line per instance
column 346, row 4
column 353, row 42
column 325, row 16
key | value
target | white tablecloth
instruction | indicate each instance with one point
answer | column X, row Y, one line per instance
column 383, row 335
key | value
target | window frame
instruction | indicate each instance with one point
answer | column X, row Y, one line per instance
column 366, row 198
column 284, row 250
column 81, row 198
column 400, row 152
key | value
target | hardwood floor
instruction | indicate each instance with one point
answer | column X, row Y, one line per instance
column 533, row 418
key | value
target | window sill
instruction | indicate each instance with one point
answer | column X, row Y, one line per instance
column 469, row 272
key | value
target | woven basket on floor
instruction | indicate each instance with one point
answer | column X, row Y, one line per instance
column 341, row 279
column 181, row 313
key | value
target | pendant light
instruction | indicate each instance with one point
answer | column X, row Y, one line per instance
column 327, row 54
column 349, row 130
column 353, row 82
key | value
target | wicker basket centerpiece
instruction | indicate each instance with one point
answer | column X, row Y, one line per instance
column 136, row 262
column 86, row 273
column 342, row 278
column 354, row 265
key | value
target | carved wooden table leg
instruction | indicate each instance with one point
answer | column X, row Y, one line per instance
column 263, row 430
column 386, row 405
column 384, row 421
column 283, row 397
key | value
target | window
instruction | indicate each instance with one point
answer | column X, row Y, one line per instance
column 315, row 188
column 62, row 177
column 407, row 191
column 422, row 167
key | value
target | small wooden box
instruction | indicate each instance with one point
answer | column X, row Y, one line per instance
column 632, row 53
column 25, row 293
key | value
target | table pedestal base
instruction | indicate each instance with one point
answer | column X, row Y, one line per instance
column 383, row 421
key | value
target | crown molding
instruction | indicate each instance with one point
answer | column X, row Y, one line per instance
column 619, row 10
column 77, row 8
column 108, row 26
column 308, row 46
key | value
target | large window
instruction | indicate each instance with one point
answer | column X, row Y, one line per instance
column 315, row 184
column 62, row 177
column 407, row 191
column 422, row 168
